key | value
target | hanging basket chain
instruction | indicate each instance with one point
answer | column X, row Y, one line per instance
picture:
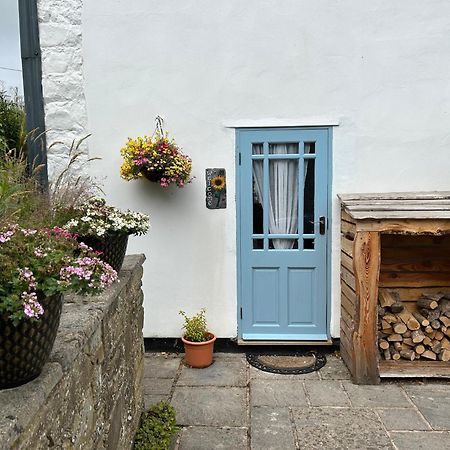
column 159, row 125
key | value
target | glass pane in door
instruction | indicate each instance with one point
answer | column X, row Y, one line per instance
column 283, row 148
column 258, row 204
column 283, row 201
column 308, row 197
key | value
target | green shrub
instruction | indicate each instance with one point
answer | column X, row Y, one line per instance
column 12, row 122
column 195, row 327
column 157, row 427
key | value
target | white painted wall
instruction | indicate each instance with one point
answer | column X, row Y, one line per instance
column 60, row 38
column 381, row 69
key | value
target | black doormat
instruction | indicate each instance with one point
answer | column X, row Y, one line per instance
column 287, row 363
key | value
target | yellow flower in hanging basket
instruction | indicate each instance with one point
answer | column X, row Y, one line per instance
column 156, row 158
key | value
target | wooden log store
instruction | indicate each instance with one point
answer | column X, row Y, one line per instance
column 395, row 285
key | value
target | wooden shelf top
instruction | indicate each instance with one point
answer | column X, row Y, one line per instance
column 397, row 205
column 414, row 369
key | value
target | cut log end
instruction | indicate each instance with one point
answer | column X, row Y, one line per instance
column 408, row 354
column 427, row 303
column 444, row 355
column 429, row 355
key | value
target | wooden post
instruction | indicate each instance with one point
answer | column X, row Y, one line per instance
column 367, row 271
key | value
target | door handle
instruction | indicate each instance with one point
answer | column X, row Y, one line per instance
column 322, row 224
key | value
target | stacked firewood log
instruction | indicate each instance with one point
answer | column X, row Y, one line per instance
column 417, row 334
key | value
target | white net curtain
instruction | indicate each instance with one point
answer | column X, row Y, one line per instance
column 283, row 192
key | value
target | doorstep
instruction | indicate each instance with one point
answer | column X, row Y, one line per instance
column 328, row 342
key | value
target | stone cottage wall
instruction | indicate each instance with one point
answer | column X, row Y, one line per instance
column 60, row 37
column 90, row 394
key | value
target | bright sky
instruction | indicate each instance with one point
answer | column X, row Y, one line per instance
column 9, row 44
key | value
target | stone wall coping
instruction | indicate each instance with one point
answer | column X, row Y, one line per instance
column 81, row 318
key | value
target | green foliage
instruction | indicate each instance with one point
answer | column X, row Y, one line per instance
column 157, row 427
column 47, row 262
column 195, row 327
column 12, row 122
column 21, row 199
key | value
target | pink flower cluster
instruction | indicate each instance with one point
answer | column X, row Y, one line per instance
column 28, row 231
column 6, row 236
column 85, row 269
column 27, row 275
column 86, row 247
column 141, row 161
column 165, row 182
column 40, row 253
column 63, row 233
column 31, row 307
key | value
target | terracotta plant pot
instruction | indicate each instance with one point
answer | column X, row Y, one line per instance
column 199, row 354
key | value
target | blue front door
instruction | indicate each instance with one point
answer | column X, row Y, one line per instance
column 282, row 219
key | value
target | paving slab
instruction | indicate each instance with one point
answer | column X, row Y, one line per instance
column 209, row 438
column 402, row 419
column 157, row 385
column 334, row 369
column 210, row 406
column 433, row 401
column 260, row 374
column 271, row 429
column 381, row 396
column 237, row 356
column 223, row 372
column 340, row 428
column 152, row 399
column 421, row 440
column 277, row 393
column 160, row 366
column 326, row 393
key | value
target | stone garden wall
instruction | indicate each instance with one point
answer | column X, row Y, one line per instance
column 90, row 394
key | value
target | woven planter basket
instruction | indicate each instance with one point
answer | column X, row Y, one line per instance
column 25, row 348
column 112, row 246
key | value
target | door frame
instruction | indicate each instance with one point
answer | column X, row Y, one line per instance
column 328, row 274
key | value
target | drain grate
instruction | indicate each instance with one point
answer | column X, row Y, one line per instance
column 287, row 363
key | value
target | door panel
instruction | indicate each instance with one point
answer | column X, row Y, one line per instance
column 282, row 193
column 265, row 296
column 300, row 289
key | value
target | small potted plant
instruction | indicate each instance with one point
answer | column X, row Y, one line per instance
column 198, row 341
column 105, row 228
column 36, row 268
column 157, row 158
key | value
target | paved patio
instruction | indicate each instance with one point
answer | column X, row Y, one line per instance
column 232, row 405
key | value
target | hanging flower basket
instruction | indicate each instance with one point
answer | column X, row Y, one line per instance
column 25, row 348
column 153, row 175
column 156, row 158
column 112, row 247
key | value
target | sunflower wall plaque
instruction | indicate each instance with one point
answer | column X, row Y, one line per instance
column 216, row 189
